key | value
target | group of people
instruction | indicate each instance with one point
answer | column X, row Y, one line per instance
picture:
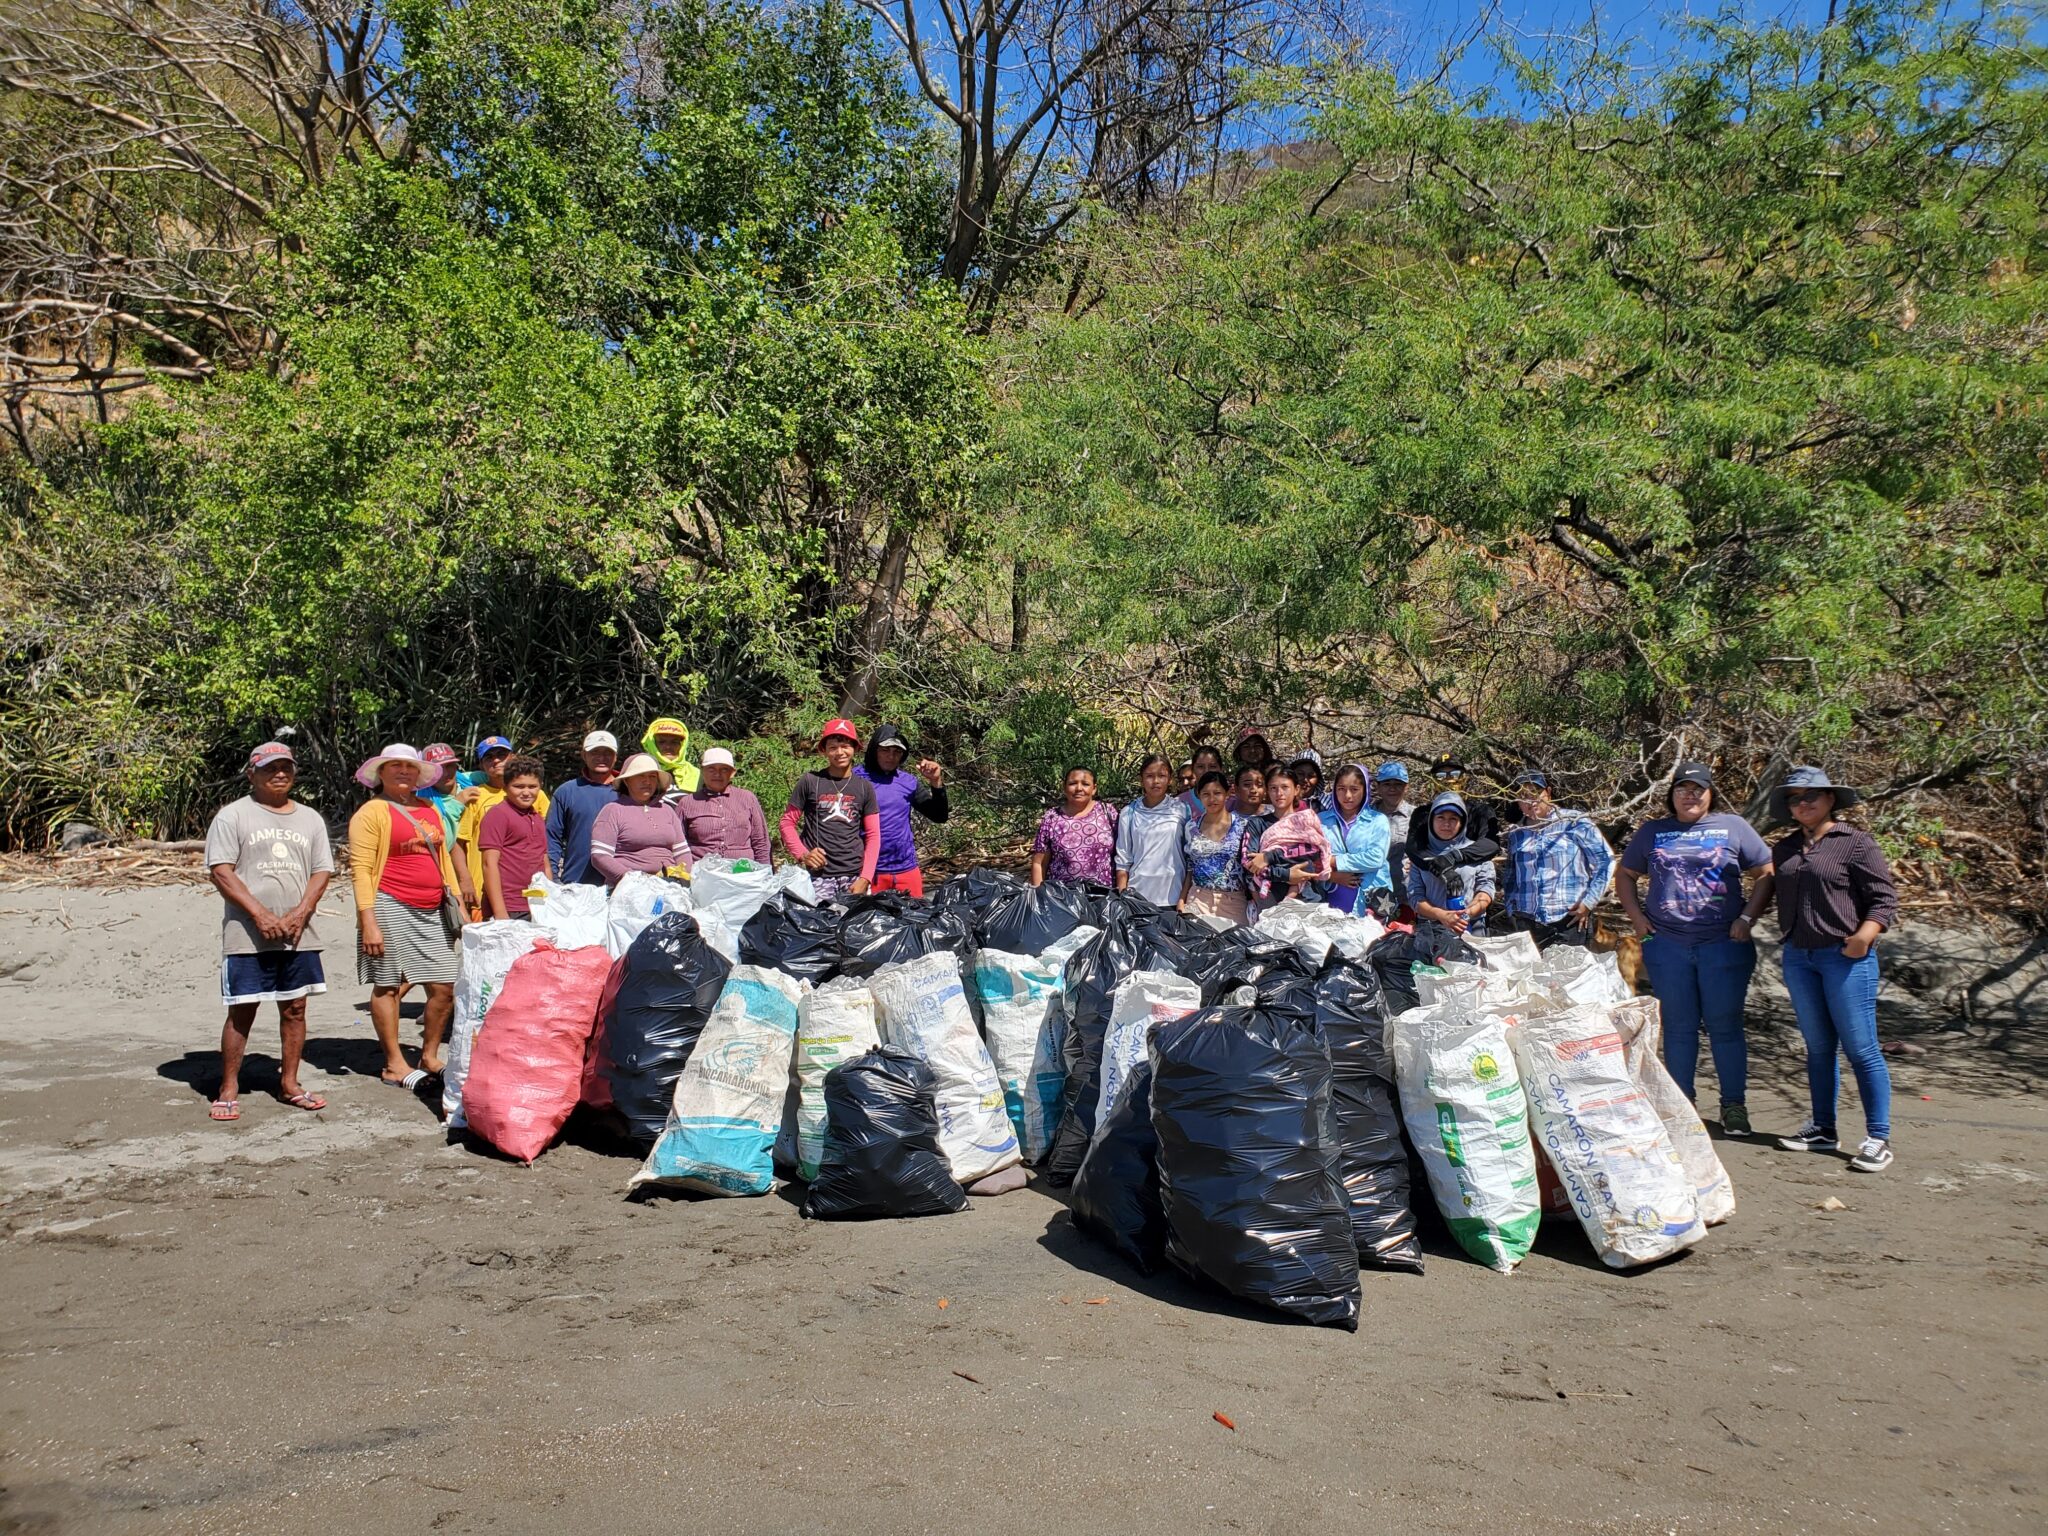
column 435, row 848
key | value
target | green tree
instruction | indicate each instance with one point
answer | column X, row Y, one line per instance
column 596, row 407
column 1701, row 414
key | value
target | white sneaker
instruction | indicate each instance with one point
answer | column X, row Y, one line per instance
column 1873, row 1156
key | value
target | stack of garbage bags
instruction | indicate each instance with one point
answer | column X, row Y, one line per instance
column 1257, row 1145
column 1512, row 1055
column 1244, row 1104
column 819, row 991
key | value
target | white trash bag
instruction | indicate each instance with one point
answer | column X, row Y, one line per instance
column 736, row 894
column 488, row 952
column 835, row 1022
column 1017, row 993
column 1575, row 975
column 1316, row 927
column 1641, row 1025
column 720, row 1135
column 1462, row 1101
column 923, row 1008
column 568, row 916
column 1599, row 1131
column 1470, row 986
column 1142, row 1001
column 1508, row 954
column 636, row 902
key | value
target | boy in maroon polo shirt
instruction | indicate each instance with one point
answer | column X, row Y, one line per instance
column 514, row 841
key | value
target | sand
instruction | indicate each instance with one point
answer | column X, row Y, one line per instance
column 338, row 1322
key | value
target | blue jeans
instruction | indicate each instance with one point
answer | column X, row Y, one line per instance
column 1703, row 986
column 1835, row 1000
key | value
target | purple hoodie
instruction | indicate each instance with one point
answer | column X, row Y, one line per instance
column 896, row 794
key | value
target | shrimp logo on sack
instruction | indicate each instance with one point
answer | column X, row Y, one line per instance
column 1484, row 1067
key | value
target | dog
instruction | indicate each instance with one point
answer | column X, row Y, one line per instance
column 1617, row 938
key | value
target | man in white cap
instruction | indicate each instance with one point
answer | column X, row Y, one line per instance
column 270, row 860
column 720, row 820
column 573, row 811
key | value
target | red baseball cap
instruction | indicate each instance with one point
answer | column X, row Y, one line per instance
column 440, row 754
column 270, row 752
column 839, row 728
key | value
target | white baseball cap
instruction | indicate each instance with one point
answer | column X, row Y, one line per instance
column 598, row 739
column 716, row 757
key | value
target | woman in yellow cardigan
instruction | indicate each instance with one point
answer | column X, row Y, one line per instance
column 409, row 913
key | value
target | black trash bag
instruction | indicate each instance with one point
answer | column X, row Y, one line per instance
column 1145, row 916
column 1079, row 1020
column 1031, row 921
column 668, row 983
column 791, row 935
column 1222, row 962
column 1248, row 1162
column 1372, row 1158
column 1286, row 984
column 976, row 891
column 881, row 1155
column 1394, row 957
column 1115, row 1197
column 888, row 928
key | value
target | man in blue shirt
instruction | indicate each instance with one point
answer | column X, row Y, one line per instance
column 1559, row 867
column 573, row 810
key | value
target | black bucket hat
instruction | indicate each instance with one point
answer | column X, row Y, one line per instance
column 1806, row 777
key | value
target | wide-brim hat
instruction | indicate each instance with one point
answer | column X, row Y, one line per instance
column 637, row 764
column 397, row 752
column 1807, row 777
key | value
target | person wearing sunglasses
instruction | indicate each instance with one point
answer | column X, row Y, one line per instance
column 1835, row 896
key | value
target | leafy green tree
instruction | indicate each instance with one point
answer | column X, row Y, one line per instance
column 595, row 408
column 1701, row 415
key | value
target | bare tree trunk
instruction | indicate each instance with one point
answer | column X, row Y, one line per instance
column 1020, row 610
column 878, row 623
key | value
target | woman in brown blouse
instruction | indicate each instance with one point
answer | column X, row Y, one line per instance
column 1835, row 896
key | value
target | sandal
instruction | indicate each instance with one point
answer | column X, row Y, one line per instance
column 307, row 1101
column 410, row 1082
column 225, row 1109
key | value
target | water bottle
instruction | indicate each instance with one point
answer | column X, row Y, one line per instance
column 1456, row 902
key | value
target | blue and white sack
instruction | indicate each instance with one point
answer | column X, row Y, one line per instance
column 1017, row 993
column 720, row 1136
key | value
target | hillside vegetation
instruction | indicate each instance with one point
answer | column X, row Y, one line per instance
column 527, row 366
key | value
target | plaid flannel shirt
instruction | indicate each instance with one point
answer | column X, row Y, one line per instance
column 1559, row 863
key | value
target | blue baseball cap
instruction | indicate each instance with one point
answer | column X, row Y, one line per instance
column 492, row 744
column 1394, row 772
column 1534, row 776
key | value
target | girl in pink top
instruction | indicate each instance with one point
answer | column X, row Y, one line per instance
column 1294, row 845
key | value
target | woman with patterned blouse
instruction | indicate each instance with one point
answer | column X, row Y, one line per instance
column 1076, row 839
column 1214, row 845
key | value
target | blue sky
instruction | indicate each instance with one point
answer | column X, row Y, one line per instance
column 1649, row 30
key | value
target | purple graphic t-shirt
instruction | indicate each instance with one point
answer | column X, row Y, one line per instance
column 1695, row 873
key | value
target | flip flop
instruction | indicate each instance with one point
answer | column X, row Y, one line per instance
column 306, row 1101
column 225, row 1109
column 410, row 1082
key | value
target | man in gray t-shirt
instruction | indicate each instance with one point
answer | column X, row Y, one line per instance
column 270, row 859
